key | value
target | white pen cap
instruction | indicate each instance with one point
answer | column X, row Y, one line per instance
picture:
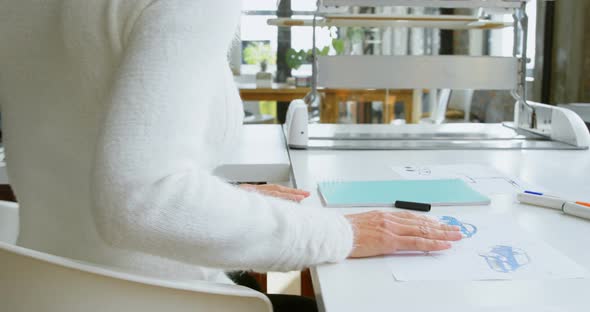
column 576, row 210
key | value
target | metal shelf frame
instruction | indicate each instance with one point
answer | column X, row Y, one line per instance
column 535, row 126
column 472, row 4
column 520, row 25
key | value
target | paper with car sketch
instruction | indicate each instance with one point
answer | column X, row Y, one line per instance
column 484, row 179
column 493, row 248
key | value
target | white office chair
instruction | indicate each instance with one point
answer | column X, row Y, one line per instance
column 448, row 97
column 8, row 222
column 34, row 281
column 440, row 110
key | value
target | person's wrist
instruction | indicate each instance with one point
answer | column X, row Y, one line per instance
column 351, row 237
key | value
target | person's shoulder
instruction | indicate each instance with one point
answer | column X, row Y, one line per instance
column 208, row 7
column 118, row 17
column 198, row 16
column 176, row 5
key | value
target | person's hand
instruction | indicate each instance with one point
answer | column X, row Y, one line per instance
column 380, row 233
column 277, row 191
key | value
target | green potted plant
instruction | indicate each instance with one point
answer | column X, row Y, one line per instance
column 260, row 53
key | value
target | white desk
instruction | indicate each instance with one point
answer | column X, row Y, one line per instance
column 261, row 156
column 368, row 284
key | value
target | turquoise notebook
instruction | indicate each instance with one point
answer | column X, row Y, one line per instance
column 448, row 192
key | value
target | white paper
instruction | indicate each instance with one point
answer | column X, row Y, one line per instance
column 493, row 248
column 484, row 179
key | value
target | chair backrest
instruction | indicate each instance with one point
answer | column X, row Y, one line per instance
column 35, row 281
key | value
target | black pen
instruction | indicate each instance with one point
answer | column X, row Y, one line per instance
column 412, row 205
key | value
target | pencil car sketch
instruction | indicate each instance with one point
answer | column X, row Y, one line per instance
column 467, row 229
column 505, row 259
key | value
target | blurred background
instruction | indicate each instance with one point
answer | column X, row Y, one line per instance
column 272, row 63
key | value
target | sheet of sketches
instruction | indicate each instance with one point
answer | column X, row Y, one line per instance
column 493, row 248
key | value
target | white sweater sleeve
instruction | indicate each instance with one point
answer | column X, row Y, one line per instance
column 151, row 191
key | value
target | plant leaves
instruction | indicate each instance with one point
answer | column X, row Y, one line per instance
column 295, row 59
column 338, row 45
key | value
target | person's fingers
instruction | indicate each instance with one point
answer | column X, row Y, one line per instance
column 416, row 222
column 292, row 190
column 287, row 196
column 278, row 191
column 284, row 189
column 378, row 233
column 249, row 187
column 426, row 232
column 415, row 217
column 420, row 244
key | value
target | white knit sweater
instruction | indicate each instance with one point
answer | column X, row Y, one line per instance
column 115, row 113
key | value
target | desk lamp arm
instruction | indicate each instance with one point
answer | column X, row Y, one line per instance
column 313, row 99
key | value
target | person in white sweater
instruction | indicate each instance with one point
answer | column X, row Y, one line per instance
column 115, row 113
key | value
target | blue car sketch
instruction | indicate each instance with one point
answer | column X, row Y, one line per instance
column 468, row 230
column 505, row 259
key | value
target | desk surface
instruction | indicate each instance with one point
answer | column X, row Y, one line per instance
column 368, row 284
column 261, row 156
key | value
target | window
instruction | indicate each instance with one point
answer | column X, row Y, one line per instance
column 304, row 5
column 259, row 41
column 258, row 5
